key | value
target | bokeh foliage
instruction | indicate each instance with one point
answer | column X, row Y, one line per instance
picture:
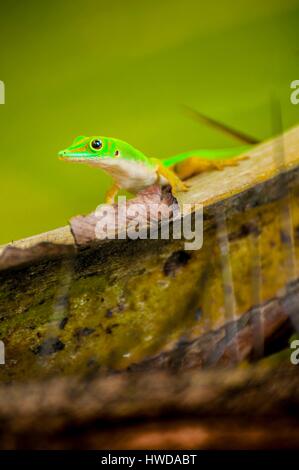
column 123, row 68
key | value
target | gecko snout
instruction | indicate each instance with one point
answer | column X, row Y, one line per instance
column 62, row 154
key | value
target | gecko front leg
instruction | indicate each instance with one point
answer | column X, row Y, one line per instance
column 111, row 193
column 175, row 182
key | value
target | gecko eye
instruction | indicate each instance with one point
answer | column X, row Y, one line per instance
column 96, row 144
column 116, row 153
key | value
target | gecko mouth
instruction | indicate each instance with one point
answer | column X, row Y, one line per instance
column 70, row 158
column 74, row 157
column 79, row 157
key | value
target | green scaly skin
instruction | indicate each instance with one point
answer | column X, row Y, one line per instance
column 131, row 169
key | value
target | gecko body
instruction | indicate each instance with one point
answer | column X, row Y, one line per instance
column 134, row 171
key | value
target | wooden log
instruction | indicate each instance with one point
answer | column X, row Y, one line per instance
column 73, row 306
column 110, row 304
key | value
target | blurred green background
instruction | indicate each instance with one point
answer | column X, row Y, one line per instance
column 122, row 69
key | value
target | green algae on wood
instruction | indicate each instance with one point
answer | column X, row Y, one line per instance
column 108, row 307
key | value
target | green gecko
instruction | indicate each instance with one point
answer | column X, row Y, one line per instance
column 134, row 171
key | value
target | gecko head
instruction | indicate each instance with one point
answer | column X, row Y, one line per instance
column 90, row 150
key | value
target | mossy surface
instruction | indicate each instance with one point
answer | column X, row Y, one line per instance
column 108, row 307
